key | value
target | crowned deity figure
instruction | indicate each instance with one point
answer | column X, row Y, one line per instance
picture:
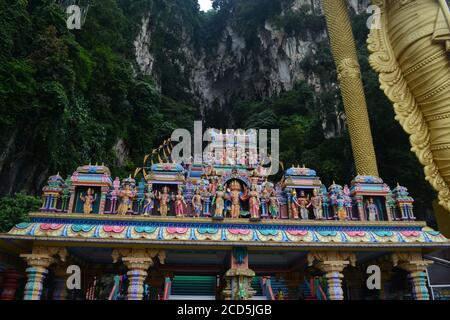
column 341, row 212
column 149, row 202
column 294, row 205
column 164, row 199
column 254, row 202
column 348, row 202
column 274, row 204
column 316, row 202
column 197, row 203
column 126, row 200
column 219, row 203
column 88, row 200
column 303, row 203
column 235, row 196
column 372, row 210
column 180, row 204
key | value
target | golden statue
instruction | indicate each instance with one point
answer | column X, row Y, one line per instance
column 164, row 199
column 126, row 197
column 236, row 196
column 88, row 200
column 410, row 53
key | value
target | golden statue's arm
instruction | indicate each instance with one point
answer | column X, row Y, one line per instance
column 349, row 76
column 409, row 52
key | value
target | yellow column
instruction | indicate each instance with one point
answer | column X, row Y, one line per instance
column 349, row 76
column 333, row 264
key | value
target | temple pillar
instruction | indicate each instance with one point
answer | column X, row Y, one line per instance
column 332, row 263
column 10, row 283
column 137, row 261
column 239, row 277
column 38, row 262
column 416, row 266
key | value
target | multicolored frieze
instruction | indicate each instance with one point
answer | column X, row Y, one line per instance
column 159, row 230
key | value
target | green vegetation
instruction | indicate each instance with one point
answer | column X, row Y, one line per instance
column 14, row 210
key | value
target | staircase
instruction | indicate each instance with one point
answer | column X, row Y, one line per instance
column 313, row 289
column 193, row 288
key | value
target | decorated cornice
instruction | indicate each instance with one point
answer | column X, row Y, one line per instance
column 195, row 231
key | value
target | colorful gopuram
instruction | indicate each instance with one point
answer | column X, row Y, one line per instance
column 219, row 230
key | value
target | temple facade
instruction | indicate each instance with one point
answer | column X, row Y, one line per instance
column 217, row 230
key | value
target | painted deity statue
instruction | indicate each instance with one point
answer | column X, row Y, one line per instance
column 348, row 202
column 294, row 205
column 372, row 210
column 264, row 202
column 206, row 196
column 340, row 207
column 316, row 203
column 126, row 200
column 88, row 200
column 235, row 197
column 213, row 182
column 197, row 203
column 303, row 203
column 149, row 202
column 274, row 204
column 254, row 202
column 180, row 204
column 164, row 199
column 219, row 203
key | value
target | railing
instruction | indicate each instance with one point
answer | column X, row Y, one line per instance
column 266, row 285
column 315, row 289
column 438, row 291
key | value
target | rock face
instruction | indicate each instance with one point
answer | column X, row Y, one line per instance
column 235, row 68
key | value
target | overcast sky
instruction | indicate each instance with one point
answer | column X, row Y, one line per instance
column 205, row 5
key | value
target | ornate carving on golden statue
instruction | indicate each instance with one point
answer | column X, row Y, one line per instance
column 349, row 76
column 409, row 52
